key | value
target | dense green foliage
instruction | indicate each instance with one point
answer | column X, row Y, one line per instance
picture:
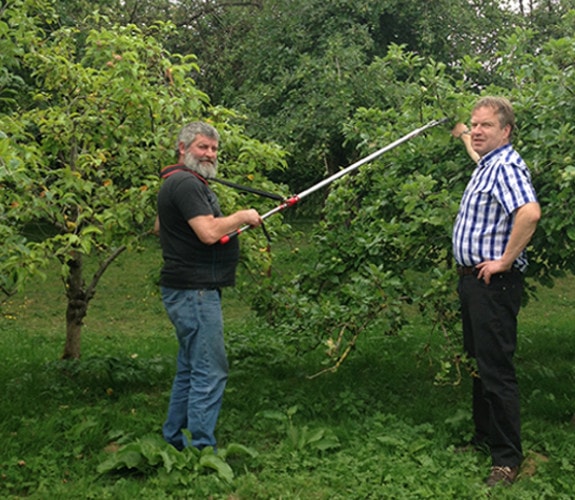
column 98, row 102
column 306, row 67
column 384, row 240
column 82, row 147
column 379, row 428
column 91, row 96
column 300, row 69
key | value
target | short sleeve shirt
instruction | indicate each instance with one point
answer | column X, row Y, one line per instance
column 189, row 263
column 500, row 184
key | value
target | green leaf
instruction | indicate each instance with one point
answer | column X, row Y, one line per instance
column 214, row 462
column 235, row 449
column 129, row 457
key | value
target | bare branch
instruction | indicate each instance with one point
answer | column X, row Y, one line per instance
column 92, row 287
column 8, row 293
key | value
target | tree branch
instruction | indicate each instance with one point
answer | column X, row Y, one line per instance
column 101, row 270
column 8, row 293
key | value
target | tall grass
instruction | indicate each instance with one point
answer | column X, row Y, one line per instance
column 377, row 428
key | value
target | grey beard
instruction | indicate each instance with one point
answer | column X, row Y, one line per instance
column 205, row 169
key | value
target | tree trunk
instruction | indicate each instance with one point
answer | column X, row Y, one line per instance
column 79, row 296
column 76, row 309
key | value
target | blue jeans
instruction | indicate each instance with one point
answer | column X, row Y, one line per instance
column 202, row 366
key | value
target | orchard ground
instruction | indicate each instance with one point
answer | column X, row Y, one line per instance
column 379, row 427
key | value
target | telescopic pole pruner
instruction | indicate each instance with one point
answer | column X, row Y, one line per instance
column 296, row 198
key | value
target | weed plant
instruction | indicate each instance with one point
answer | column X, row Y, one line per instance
column 377, row 428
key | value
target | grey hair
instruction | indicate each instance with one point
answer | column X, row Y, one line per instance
column 189, row 132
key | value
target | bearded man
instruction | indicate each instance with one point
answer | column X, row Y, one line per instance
column 196, row 267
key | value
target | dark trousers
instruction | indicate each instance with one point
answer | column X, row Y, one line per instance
column 489, row 316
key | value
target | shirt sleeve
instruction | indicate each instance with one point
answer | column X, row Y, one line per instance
column 192, row 198
column 514, row 187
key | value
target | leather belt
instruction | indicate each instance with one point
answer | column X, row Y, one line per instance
column 466, row 270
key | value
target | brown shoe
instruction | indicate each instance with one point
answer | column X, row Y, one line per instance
column 502, row 475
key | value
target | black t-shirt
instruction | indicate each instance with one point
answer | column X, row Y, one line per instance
column 189, row 263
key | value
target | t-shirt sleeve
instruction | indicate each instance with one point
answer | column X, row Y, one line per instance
column 192, row 199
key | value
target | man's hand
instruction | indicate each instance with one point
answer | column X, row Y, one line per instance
column 210, row 229
column 489, row 268
column 252, row 217
column 459, row 130
column 526, row 219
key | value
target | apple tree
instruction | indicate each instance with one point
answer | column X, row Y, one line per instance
column 79, row 165
column 382, row 253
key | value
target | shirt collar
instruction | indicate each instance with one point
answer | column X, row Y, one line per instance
column 485, row 160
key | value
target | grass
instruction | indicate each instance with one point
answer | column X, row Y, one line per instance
column 377, row 428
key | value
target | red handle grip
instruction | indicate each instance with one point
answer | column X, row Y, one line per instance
column 226, row 238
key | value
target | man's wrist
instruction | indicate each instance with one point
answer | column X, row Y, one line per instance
column 465, row 132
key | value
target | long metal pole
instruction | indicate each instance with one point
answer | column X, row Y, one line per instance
column 296, row 198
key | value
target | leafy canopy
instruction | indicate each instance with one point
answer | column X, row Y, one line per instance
column 79, row 165
column 383, row 248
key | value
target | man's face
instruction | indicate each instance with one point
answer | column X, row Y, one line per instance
column 486, row 131
column 201, row 156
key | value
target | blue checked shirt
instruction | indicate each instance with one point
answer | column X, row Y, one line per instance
column 500, row 184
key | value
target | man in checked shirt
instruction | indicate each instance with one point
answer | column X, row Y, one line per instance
column 497, row 217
